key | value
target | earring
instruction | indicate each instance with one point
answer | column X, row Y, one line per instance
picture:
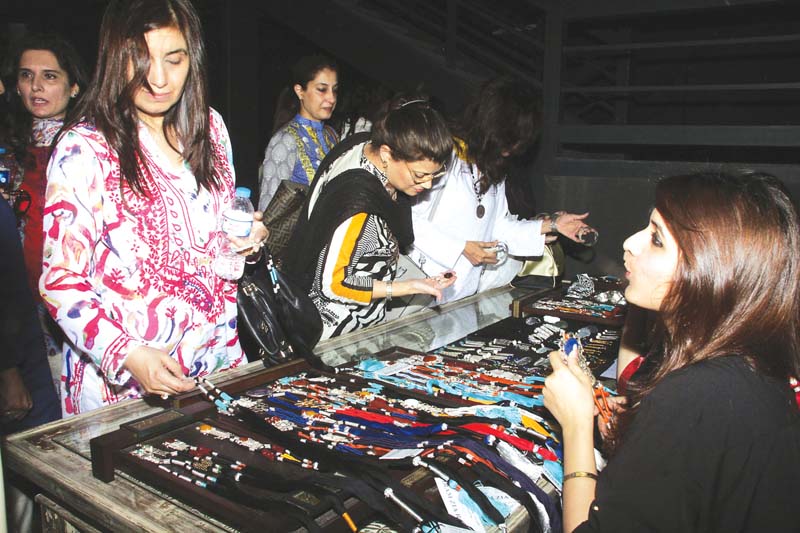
column 385, row 163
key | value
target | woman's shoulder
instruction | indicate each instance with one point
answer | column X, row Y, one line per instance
column 216, row 123
column 728, row 387
column 83, row 132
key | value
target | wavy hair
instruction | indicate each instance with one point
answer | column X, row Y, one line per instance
column 109, row 102
column 504, row 117
column 413, row 130
column 736, row 290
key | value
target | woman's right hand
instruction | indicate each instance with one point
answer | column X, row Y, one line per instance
column 568, row 393
column 433, row 286
column 478, row 253
column 157, row 372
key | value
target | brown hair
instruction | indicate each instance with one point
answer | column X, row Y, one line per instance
column 736, row 290
column 109, row 100
column 413, row 130
column 504, row 116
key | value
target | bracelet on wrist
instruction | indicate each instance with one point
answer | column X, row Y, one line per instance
column 554, row 222
column 388, row 291
column 590, row 475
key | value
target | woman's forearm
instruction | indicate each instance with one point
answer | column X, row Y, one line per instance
column 578, row 492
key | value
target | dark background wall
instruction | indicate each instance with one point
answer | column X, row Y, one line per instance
column 633, row 90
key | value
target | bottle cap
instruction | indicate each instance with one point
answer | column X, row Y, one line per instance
column 244, row 192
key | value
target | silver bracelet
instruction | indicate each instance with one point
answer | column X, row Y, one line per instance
column 389, row 291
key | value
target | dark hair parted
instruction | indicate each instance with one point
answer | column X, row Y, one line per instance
column 413, row 130
column 68, row 59
column 302, row 72
column 736, row 289
column 503, row 119
column 109, row 102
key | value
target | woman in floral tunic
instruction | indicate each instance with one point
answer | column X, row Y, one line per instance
column 136, row 188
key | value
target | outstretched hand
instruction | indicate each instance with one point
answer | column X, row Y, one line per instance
column 157, row 372
column 433, row 286
column 570, row 224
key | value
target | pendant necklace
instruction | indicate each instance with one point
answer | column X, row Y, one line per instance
column 476, row 186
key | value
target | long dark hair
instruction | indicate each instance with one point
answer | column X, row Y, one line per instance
column 413, row 130
column 504, row 116
column 21, row 120
column 304, row 71
column 109, row 102
column 736, row 290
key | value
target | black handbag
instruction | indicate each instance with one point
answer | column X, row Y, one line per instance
column 280, row 318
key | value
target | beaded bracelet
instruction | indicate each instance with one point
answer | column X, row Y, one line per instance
column 590, row 475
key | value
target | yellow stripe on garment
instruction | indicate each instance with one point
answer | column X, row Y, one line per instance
column 343, row 261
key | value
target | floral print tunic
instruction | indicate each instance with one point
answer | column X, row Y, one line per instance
column 122, row 270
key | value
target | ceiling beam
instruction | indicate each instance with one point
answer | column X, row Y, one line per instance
column 579, row 9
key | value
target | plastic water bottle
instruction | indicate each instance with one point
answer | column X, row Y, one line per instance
column 236, row 221
column 238, row 218
column 5, row 171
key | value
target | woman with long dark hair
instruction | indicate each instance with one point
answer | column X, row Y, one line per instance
column 137, row 184
column 459, row 223
column 300, row 138
column 710, row 440
column 49, row 78
column 357, row 219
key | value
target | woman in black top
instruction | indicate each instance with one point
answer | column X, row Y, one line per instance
column 711, row 438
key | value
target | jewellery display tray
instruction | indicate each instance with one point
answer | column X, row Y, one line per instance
column 110, row 454
column 526, row 305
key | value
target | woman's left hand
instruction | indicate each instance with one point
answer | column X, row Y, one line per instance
column 568, row 393
column 258, row 234
column 569, row 224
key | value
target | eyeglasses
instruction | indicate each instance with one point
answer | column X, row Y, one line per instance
column 424, row 177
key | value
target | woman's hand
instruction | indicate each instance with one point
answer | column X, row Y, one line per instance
column 569, row 224
column 258, row 234
column 157, row 372
column 568, row 393
column 433, row 286
column 477, row 254
column 616, row 405
column 15, row 400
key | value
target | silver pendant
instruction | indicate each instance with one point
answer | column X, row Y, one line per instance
column 480, row 211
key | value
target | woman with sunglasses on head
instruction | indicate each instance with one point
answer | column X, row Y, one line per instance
column 357, row 219
column 710, row 438
column 461, row 220
column 137, row 185
column 301, row 138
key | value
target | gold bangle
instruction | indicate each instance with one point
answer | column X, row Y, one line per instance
column 590, row 475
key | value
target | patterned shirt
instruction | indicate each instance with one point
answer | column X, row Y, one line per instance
column 285, row 160
column 123, row 270
column 362, row 249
